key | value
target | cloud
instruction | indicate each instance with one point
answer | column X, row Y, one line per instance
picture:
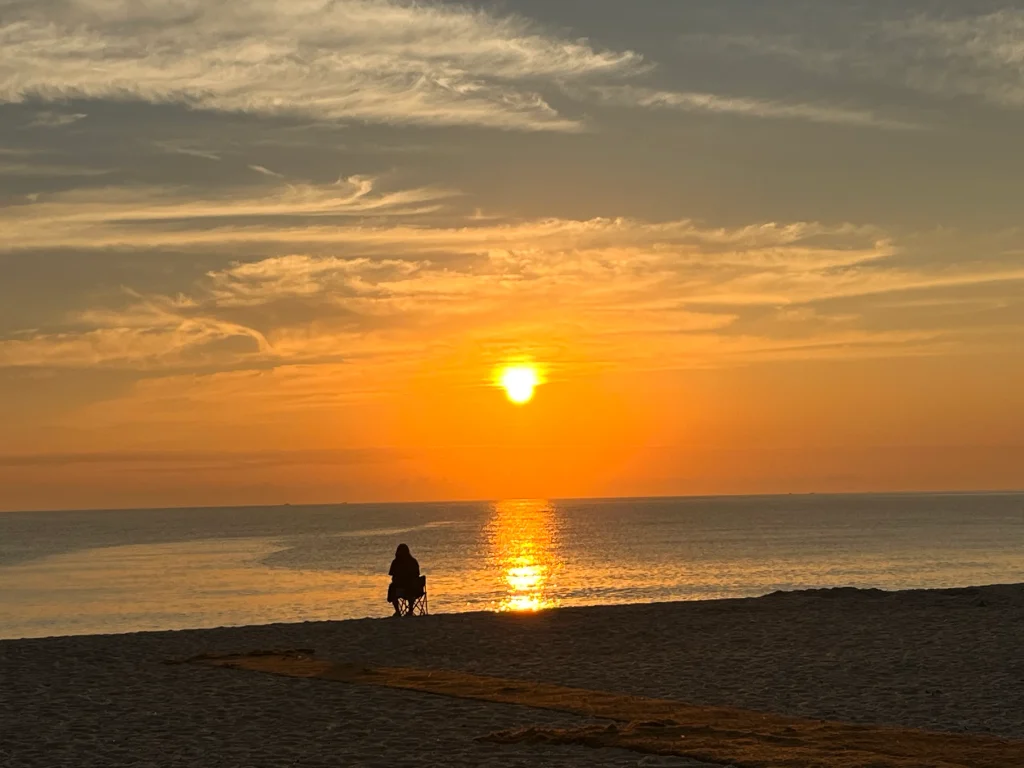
column 761, row 108
column 349, row 213
column 980, row 56
column 141, row 216
column 176, row 149
column 46, row 170
column 303, row 276
column 352, row 271
column 368, row 60
column 184, row 460
column 958, row 55
column 48, row 119
column 157, row 331
column 659, row 294
column 265, row 171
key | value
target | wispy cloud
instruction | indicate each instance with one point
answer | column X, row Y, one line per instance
column 979, row 56
column 954, row 55
column 155, row 333
column 124, row 216
column 301, row 215
column 265, row 171
column 369, row 60
column 177, row 149
column 48, row 170
column 620, row 288
column 184, row 460
column 303, row 276
column 748, row 107
column 48, row 119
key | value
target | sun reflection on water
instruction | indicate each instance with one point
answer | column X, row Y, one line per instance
column 523, row 541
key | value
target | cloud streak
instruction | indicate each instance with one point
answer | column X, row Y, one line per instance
column 367, row 60
column 185, row 460
column 47, row 170
column 141, row 217
column 176, row 149
column 56, row 119
column 266, row 171
column 691, row 101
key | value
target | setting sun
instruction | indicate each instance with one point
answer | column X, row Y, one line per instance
column 519, row 382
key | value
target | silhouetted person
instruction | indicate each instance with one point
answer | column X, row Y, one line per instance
column 405, row 579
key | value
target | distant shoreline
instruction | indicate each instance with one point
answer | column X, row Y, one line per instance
column 573, row 500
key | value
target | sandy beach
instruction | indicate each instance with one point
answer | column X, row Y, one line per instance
column 949, row 661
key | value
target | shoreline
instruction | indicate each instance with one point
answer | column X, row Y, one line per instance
column 826, row 593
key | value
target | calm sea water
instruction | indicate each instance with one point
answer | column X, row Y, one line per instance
column 67, row 573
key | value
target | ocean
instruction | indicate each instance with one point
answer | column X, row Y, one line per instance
column 99, row 572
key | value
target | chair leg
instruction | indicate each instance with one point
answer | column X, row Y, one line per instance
column 417, row 607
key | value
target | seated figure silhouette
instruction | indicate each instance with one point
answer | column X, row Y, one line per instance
column 407, row 585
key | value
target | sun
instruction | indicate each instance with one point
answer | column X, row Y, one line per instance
column 519, row 382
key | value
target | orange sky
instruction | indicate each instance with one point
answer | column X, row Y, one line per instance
column 792, row 427
column 282, row 260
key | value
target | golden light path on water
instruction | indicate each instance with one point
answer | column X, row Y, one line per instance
column 523, row 548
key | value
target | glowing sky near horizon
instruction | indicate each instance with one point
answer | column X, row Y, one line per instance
column 265, row 252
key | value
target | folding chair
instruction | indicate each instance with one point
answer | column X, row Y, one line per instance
column 416, row 606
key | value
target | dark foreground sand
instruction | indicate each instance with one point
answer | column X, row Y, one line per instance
column 943, row 660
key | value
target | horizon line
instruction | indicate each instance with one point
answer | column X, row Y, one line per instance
column 669, row 497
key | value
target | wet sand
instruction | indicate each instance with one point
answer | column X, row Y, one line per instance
column 950, row 660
